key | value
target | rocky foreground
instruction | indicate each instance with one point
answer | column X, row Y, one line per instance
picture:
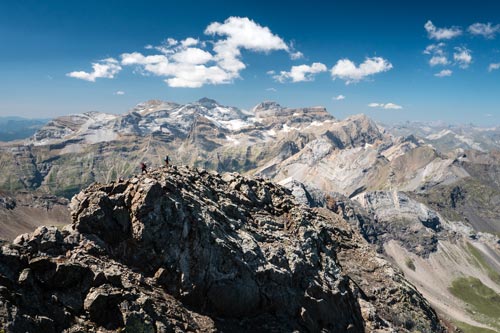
column 182, row 249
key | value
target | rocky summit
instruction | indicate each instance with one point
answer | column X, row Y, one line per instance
column 180, row 249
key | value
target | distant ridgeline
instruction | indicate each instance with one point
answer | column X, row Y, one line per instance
column 16, row 128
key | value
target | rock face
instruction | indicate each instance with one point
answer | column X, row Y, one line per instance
column 397, row 216
column 180, row 250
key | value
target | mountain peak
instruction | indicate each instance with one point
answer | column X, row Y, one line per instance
column 267, row 105
column 207, row 102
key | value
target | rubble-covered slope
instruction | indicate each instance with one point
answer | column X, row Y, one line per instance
column 25, row 211
column 181, row 249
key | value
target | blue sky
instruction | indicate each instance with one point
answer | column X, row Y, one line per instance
column 378, row 58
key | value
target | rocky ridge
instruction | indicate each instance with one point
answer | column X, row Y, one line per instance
column 182, row 249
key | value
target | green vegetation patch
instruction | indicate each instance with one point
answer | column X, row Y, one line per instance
column 410, row 264
column 466, row 328
column 481, row 262
column 483, row 302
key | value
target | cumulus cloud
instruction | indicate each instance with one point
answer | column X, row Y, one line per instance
column 438, row 60
column 119, row 93
column 444, row 73
column 346, row 70
column 462, row 56
column 189, row 63
column 196, row 76
column 137, row 58
column 171, row 42
column 435, row 49
column 301, row 73
column 339, row 97
column 271, row 89
column 494, row 66
column 192, row 56
column 241, row 33
column 387, row 106
column 487, row 30
column 190, row 41
column 105, row 68
column 438, row 54
column 441, row 33
column 188, row 73
column 296, row 55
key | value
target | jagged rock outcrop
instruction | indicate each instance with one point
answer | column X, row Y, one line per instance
column 180, row 250
column 395, row 216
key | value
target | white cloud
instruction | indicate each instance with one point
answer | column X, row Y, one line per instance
column 387, row 106
column 106, row 68
column 435, row 49
column 441, row 33
column 241, row 33
column 462, row 57
column 193, row 56
column 186, row 74
column 171, row 42
column 137, row 58
column 338, row 98
column 444, row 73
column 271, row 72
column 296, row 55
column 301, row 73
column 484, row 29
column 192, row 62
column 184, row 65
column 190, row 41
column 494, row 66
column 196, row 76
column 346, row 70
column 272, row 89
column 439, row 56
column 438, row 60
column 120, row 93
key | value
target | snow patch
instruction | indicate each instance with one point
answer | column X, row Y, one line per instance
column 287, row 128
column 233, row 140
column 439, row 135
column 234, row 124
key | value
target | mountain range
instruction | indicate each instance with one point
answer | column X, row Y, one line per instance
column 426, row 197
column 17, row 128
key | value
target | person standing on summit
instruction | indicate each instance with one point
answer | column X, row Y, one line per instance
column 166, row 160
column 144, row 168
